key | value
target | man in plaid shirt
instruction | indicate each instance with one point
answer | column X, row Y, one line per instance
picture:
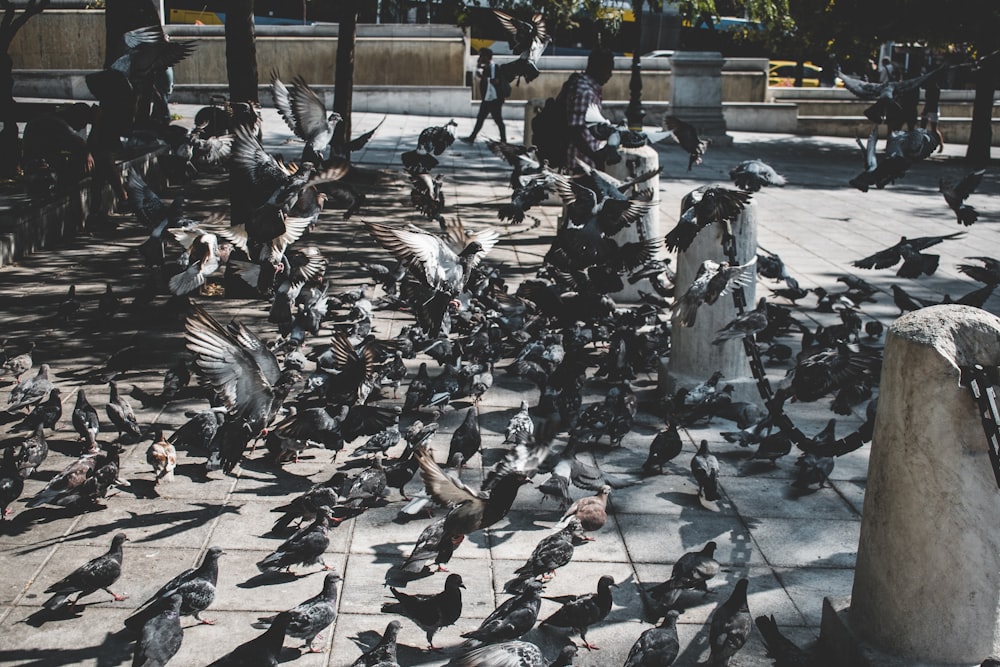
column 584, row 90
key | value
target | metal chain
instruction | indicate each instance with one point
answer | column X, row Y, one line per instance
column 983, row 385
column 775, row 406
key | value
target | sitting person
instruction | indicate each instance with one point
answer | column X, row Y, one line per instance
column 54, row 138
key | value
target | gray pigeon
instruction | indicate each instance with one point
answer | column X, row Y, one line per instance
column 383, row 654
column 513, row 618
column 752, row 175
column 161, row 635
column 513, row 654
column 312, row 616
column 730, row 626
column 305, row 547
column 196, row 586
column 656, row 647
column 30, row 391
column 579, row 612
column 98, row 573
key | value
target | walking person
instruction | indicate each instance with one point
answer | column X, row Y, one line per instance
column 931, row 112
column 494, row 89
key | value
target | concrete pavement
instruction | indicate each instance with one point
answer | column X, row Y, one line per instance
column 795, row 550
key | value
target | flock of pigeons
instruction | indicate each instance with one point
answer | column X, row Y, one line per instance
column 560, row 330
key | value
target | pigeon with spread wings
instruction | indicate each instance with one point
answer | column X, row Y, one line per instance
column 245, row 375
column 884, row 94
column 527, row 39
column 955, row 193
column 686, row 135
column 914, row 261
column 713, row 280
column 305, row 115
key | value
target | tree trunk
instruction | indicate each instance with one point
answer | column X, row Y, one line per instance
column 343, row 92
column 10, row 147
column 241, row 51
column 981, row 135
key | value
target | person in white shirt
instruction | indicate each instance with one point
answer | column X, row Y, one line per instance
column 492, row 88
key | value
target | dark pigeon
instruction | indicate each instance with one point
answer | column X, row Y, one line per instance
column 11, row 482
column 552, row 552
column 99, row 573
column 430, row 612
column 665, row 446
column 262, row 651
column 579, row 612
column 383, row 654
column 656, row 646
column 161, row 635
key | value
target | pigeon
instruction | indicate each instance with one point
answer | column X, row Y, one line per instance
column 579, row 612
column 467, row 438
column 665, row 446
column 119, row 410
column 46, row 414
column 83, row 482
column 590, row 511
column 11, row 482
column 779, row 648
column 262, row 651
column 69, row 306
column 175, row 379
column 520, row 428
column 527, row 40
column 886, row 94
column 196, row 586
column 513, row 654
column 705, row 468
column 162, row 635
column 552, row 551
column 687, row 136
column 752, row 175
column 692, row 571
column 19, row 364
column 513, row 618
column 908, row 250
column 713, row 280
column 311, row 617
column 427, row 195
column 730, row 626
column 656, row 647
column 988, row 273
column 197, row 433
column 750, row 323
column 305, row 115
column 305, row 547
column 432, row 141
column 383, row 654
column 148, row 50
column 813, row 472
column 205, row 257
column 955, row 193
column 245, row 375
column 163, row 457
column 98, row 573
column 85, row 420
column 430, row 612
column 705, row 206
column 431, row 544
column 31, row 390
column 470, row 511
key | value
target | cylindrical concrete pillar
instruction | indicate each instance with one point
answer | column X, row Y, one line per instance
column 927, row 580
column 693, row 358
column 636, row 161
column 696, row 93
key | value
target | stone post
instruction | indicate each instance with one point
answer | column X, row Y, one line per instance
column 693, row 358
column 696, row 93
column 636, row 161
column 927, row 580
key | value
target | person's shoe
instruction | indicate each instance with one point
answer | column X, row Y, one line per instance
column 467, row 140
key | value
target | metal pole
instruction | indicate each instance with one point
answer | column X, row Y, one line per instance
column 634, row 112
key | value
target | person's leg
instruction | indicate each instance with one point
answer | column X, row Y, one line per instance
column 480, row 119
column 496, row 111
column 936, row 131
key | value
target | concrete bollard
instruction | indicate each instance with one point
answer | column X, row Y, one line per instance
column 927, row 580
column 636, row 161
column 693, row 358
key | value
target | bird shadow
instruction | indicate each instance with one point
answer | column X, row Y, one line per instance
column 112, row 651
column 271, row 578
